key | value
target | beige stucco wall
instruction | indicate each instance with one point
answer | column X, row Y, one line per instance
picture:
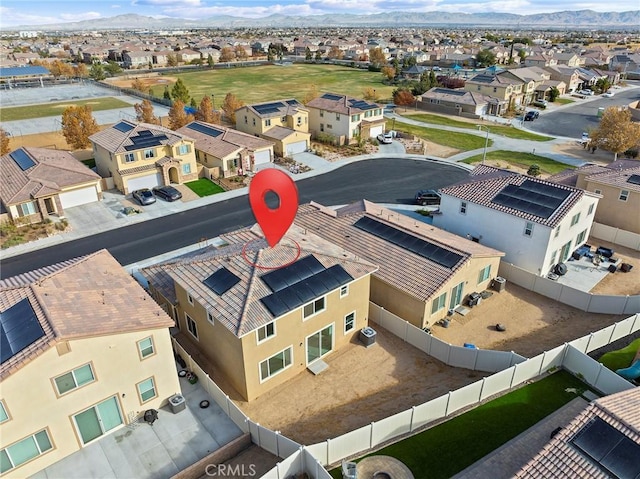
column 117, row 367
column 612, row 211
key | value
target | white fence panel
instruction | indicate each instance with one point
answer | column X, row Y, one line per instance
column 616, row 235
column 610, row 383
column 460, row 357
column 418, row 338
column 267, row 440
column 394, row 324
column 525, row 371
column 465, row 396
column 579, row 363
column 492, row 361
column 429, row 411
column 313, row 467
column 552, row 359
column 253, row 430
column 517, row 275
column 290, row 466
column 600, row 338
column 349, row 444
column 391, row 427
column 286, row 446
column 607, row 304
column 496, row 383
column 622, row 329
column 440, row 350
column 237, row 416
column 516, row 358
column 580, row 343
column 319, row 451
column 576, row 298
column 633, row 305
column 548, row 288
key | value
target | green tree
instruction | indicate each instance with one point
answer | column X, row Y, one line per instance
column 318, row 55
column 166, row 94
column 112, row 69
column 307, row 54
column 193, row 104
column 485, row 58
column 210, row 61
column 534, row 170
column 180, row 91
column 616, row 132
column 603, row 85
column 78, row 125
column 96, row 72
column 554, row 93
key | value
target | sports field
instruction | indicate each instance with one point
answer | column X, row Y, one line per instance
column 55, row 109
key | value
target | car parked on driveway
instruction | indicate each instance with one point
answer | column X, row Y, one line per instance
column 385, row 138
column 540, row 103
column 586, row 92
column 427, row 197
column 167, row 193
column 531, row 115
column 144, row 196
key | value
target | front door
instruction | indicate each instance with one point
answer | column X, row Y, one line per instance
column 456, row 296
column 49, row 205
column 319, row 344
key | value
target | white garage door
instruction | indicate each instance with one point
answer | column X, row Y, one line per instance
column 261, row 157
column 148, row 181
column 375, row 131
column 297, row 147
column 78, row 197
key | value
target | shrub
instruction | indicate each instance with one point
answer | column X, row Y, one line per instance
column 534, row 170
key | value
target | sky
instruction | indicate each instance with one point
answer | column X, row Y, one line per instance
column 27, row 12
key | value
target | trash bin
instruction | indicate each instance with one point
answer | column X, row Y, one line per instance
column 177, row 403
column 499, row 284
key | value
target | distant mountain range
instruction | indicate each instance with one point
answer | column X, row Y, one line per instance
column 566, row 19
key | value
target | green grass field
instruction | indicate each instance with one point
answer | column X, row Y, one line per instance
column 204, row 187
column 446, row 449
column 265, row 83
column 508, row 131
column 523, row 160
column 452, row 139
column 54, row 109
column 622, row 357
column 563, row 101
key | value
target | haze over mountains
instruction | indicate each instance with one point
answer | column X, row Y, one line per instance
column 566, row 19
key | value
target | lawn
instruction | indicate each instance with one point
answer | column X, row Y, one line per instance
column 446, row 449
column 507, row 131
column 564, row 101
column 523, row 160
column 54, row 109
column 270, row 82
column 460, row 141
column 622, row 357
column 204, row 187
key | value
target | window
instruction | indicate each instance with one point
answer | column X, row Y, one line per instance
column 624, row 195
column 183, row 149
column 349, row 321
column 355, row 118
column 190, row 299
column 145, row 346
column 337, row 116
column 129, row 157
column 581, row 237
column 186, row 168
column 344, row 291
column 528, row 228
column 321, row 114
column 266, row 331
column 564, row 252
column 597, row 192
column 557, row 232
column 321, row 126
column 25, row 450
column 149, row 153
column 74, row 379
column 210, row 317
column 314, row 307
column 147, row 390
column 478, row 87
column 276, row 363
column 439, row 303
column 319, row 344
column 463, row 207
column 591, row 206
column 26, row 209
column 484, row 274
column 553, row 258
column 495, row 89
column 99, row 419
column 245, row 119
column 254, row 122
column 4, row 416
column 299, row 121
column 575, row 218
column 191, row 326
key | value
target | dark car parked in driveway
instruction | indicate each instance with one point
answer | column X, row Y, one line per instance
column 427, row 197
column 531, row 115
column 167, row 193
column 144, row 196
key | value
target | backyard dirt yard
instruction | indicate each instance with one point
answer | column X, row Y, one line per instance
column 147, row 81
column 619, row 282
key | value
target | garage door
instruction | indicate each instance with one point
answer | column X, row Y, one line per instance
column 297, row 147
column 148, row 181
column 78, row 197
column 375, row 131
column 261, row 157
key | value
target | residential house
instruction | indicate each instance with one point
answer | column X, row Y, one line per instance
column 137, row 59
column 85, row 352
column 603, row 441
column 187, row 55
column 505, row 88
column 625, row 63
column 140, row 155
column 588, row 78
column 263, row 315
column 619, row 185
column 39, row 182
column 569, row 59
column 568, row 75
column 460, row 102
column 612, row 76
column 414, row 72
column 537, row 223
column 283, row 122
column 532, row 78
column 227, row 152
column 344, row 119
column 161, row 58
column 540, row 60
column 423, row 272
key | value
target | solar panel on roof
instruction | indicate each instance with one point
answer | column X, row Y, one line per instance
column 145, row 133
column 292, row 102
column 634, row 179
column 303, row 268
column 19, row 328
column 221, row 281
column 609, row 448
column 207, row 130
column 331, row 96
column 123, row 127
column 22, row 159
column 268, row 108
column 421, row 247
column 531, row 197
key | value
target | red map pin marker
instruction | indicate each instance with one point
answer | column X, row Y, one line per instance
column 274, row 222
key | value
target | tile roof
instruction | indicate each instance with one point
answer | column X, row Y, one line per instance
column 614, row 174
column 53, row 171
column 486, row 182
column 289, row 106
column 247, row 256
column 561, row 459
column 456, row 95
column 227, row 142
column 407, row 271
column 116, row 141
column 570, row 175
column 618, row 178
column 87, row 296
column 496, row 80
column 281, row 132
column 340, row 105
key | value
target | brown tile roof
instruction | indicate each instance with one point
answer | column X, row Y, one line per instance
column 88, row 296
column 570, row 176
column 281, row 133
column 115, row 141
column 561, row 459
column 407, row 271
column 618, row 178
column 240, row 308
column 53, row 171
column 485, row 184
column 227, row 142
column 340, row 105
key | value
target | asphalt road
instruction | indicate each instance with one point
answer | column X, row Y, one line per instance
column 387, row 180
column 580, row 116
